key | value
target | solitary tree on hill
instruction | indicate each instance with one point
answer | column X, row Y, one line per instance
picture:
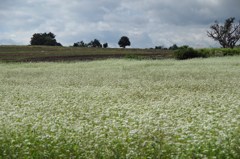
column 105, row 45
column 124, row 41
column 227, row 35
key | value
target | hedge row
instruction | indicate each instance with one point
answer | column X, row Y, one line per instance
column 186, row 52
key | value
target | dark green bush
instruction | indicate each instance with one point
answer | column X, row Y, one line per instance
column 186, row 52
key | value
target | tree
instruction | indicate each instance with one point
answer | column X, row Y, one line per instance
column 95, row 43
column 105, row 45
column 79, row 44
column 44, row 39
column 173, row 47
column 158, row 47
column 227, row 35
column 124, row 41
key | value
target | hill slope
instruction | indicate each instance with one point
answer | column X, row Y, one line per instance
column 49, row 53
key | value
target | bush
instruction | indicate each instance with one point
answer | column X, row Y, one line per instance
column 230, row 52
column 186, row 52
column 218, row 52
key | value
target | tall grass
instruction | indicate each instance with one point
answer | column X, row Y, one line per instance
column 121, row 109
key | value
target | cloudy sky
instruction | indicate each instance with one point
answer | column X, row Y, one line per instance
column 147, row 23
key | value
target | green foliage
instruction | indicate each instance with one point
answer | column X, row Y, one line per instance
column 186, row 52
column 47, row 39
column 218, row 52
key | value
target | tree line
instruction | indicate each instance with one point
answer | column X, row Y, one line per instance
column 49, row 39
column 227, row 35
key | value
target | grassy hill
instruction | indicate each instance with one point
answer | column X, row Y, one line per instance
column 53, row 53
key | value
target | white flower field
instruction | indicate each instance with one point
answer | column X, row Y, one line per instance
column 121, row 108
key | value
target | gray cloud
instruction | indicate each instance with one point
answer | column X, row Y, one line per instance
column 147, row 22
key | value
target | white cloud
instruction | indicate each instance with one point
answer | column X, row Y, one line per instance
column 147, row 22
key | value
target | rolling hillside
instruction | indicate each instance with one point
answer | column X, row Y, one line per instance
column 48, row 53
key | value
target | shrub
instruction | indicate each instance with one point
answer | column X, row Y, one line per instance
column 218, row 52
column 205, row 52
column 230, row 52
column 186, row 52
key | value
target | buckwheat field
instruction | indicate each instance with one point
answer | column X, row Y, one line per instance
column 121, row 109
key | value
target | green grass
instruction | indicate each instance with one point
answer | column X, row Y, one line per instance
column 53, row 53
column 121, row 109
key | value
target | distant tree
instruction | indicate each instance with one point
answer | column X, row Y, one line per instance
column 184, row 47
column 227, row 35
column 105, row 45
column 124, row 41
column 44, row 39
column 79, row 44
column 95, row 43
column 159, row 47
column 174, row 47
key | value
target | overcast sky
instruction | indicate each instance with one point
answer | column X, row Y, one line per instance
column 147, row 23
